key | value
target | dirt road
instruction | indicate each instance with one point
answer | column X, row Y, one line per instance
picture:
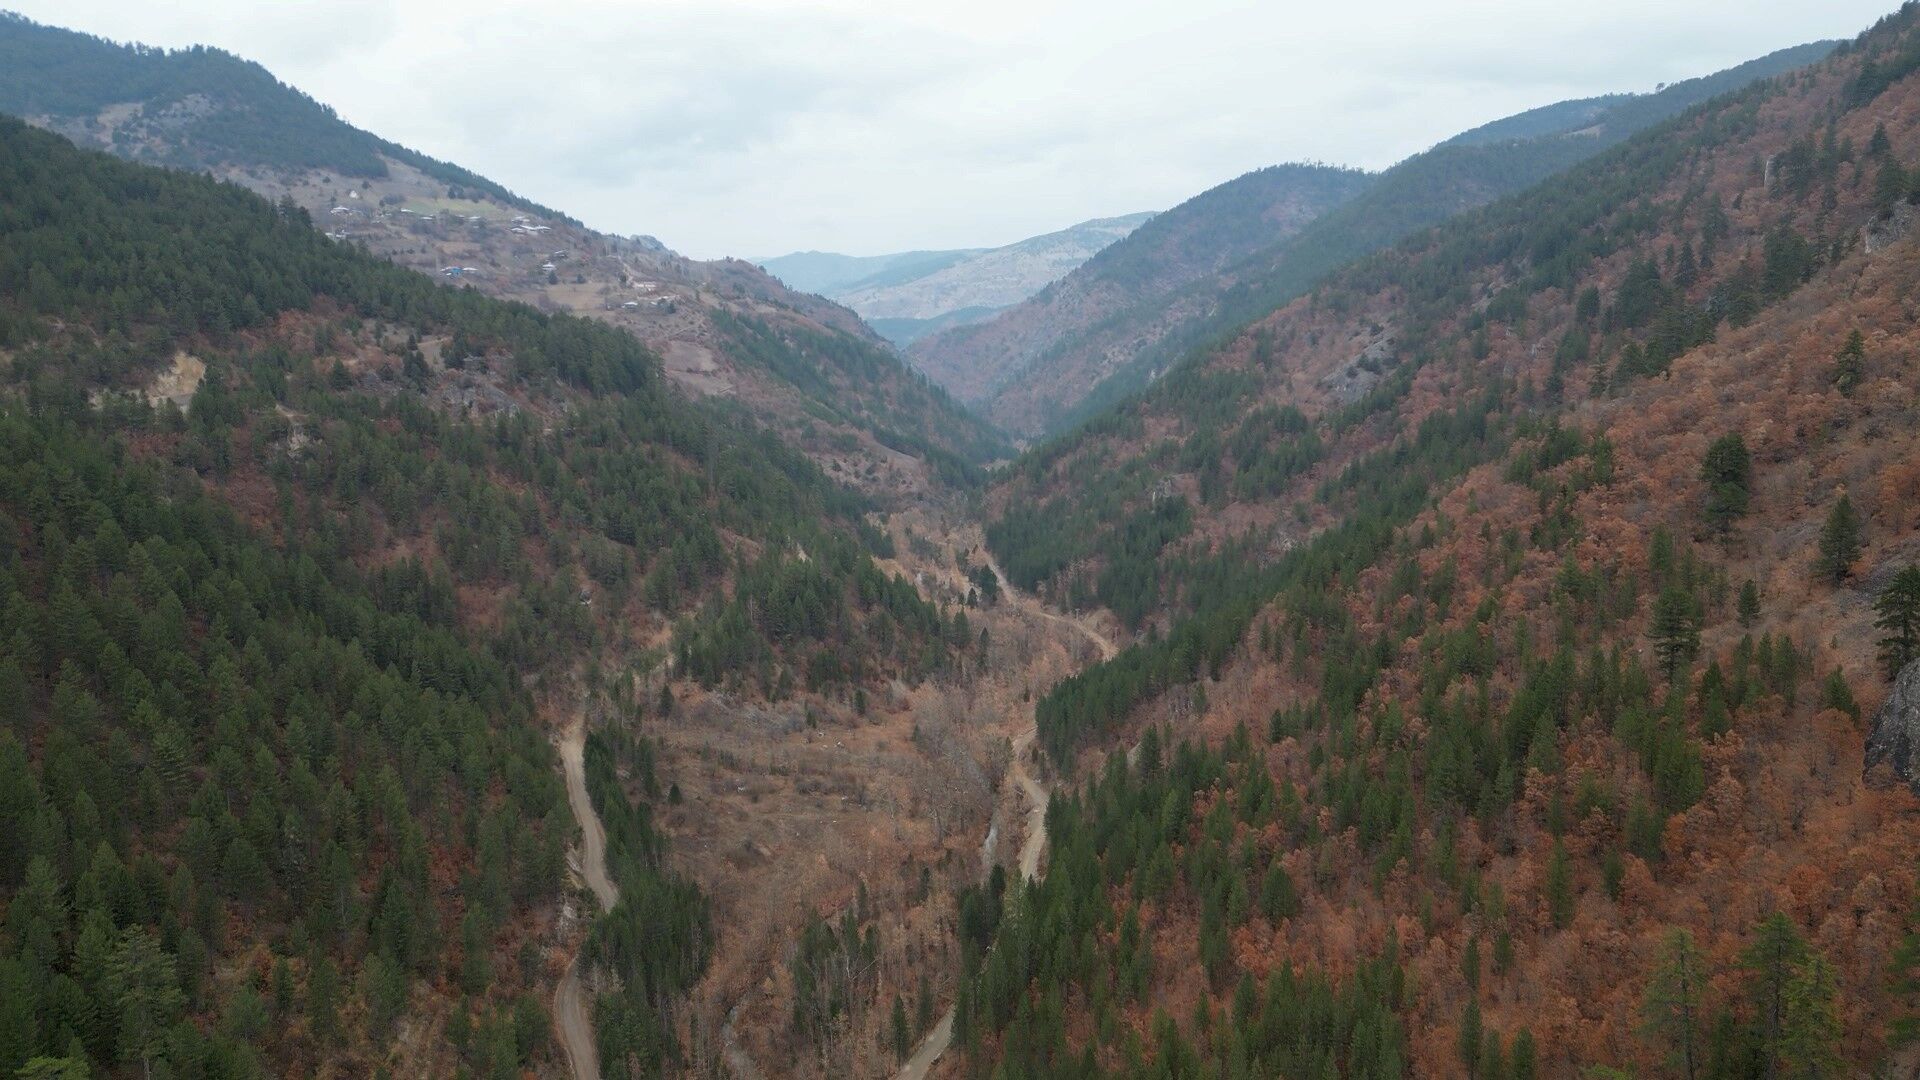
column 1028, row 604
column 929, row 1050
column 593, row 837
column 572, row 1014
column 1037, row 797
column 927, row 1054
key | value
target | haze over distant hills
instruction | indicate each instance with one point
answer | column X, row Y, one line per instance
column 912, row 293
column 1116, row 323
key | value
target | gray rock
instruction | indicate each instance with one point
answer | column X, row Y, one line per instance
column 1895, row 735
column 1362, row 371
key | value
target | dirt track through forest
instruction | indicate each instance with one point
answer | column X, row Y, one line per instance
column 572, row 1013
column 928, row 1053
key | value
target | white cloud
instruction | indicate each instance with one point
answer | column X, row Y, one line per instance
column 757, row 126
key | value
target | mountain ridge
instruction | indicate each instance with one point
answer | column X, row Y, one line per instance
column 1198, row 237
column 1052, row 371
column 1443, row 745
column 723, row 327
column 919, row 292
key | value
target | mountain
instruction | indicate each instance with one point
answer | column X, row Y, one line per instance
column 194, row 108
column 912, row 294
column 1478, row 661
column 1198, row 238
column 1508, row 612
column 824, row 272
column 304, row 556
column 1043, row 365
column 724, row 328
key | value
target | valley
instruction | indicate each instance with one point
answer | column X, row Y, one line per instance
column 1455, row 620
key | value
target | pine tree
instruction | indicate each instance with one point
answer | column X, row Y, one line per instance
column 1670, row 1008
column 1904, row 972
column 1897, row 615
column 1470, row 1035
column 901, row 1039
column 1890, row 184
column 146, row 996
column 323, row 991
column 1849, row 364
column 1493, row 1059
column 1728, row 472
column 1675, row 630
column 1773, row 961
column 1839, row 542
column 1810, row 1021
column 1749, row 604
column 1278, row 897
column 1525, row 1067
column 1836, row 694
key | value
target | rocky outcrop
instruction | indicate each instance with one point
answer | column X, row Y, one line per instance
column 1895, row 735
column 1350, row 381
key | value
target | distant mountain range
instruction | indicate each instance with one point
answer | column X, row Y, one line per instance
column 912, row 293
column 1118, row 322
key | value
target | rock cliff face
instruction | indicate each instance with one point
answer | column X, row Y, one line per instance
column 1895, row 735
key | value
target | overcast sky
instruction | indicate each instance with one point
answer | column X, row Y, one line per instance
column 757, row 127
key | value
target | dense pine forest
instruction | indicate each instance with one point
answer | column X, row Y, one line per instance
column 271, row 740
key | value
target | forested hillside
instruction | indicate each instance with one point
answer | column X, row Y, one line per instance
column 724, row 328
column 297, row 549
column 1198, row 238
column 1088, row 371
column 1508, row 612
column 193, row 108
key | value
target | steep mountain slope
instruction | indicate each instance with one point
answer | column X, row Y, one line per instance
column 724, row 328
column 1198, row 238
column 1095, row 366
column 908, row 296
column 303, row 553
column 1506, row 622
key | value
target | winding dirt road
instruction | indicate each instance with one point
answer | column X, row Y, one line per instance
column 572, row 1013
column 1033, row 607
column 1037, row 798
column 935, row 1044
column 929, row 1050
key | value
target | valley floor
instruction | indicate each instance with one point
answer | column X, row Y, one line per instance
column 789, row 811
